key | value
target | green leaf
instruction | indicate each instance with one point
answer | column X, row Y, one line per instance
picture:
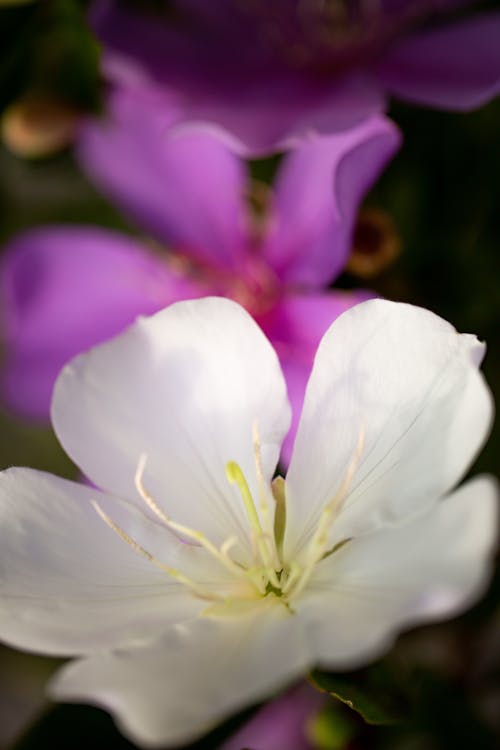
column 373, row 693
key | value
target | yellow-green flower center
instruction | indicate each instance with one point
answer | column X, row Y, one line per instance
column 269, row 575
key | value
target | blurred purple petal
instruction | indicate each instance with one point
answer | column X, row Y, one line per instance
column 231, row 81
column 195, row 44
column 187, row 191
column 295, row 328
column 281, row 724
column 456, row 67
column 318, row 191
column 64, row 290
column 261, row 119
column 266, row 74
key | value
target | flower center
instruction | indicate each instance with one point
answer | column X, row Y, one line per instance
column 269, row 575
column 326, row 36
column 312, row 33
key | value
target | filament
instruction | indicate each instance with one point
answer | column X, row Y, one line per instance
column 236, row 476
column 172, row 572
column 197, row 536
column 263, row 496
column 319, row 541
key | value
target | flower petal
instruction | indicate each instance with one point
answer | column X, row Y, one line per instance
column 295, row 327
column 69, row 584
column 277, row 113
column 429, row 569
column 318, row 192
column 402, row 377
column 456, row 67
column 64, row 289
column 281, row 723
column 255, row 100
column 179, row 687
column 188, row 191
column 185, row 387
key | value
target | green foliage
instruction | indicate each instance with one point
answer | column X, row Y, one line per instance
column 374, row 693
column 48, row 48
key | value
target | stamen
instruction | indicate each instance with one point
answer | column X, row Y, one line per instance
column 258, row 577
column 278, row 489
column 235, row 476
column 333, row 508
column 336, row 547
column 293, row 576
column 231, row 542
column 319, row 542
column 150, row 502
column 263, row 496
column 172, row 572
column 197, row 536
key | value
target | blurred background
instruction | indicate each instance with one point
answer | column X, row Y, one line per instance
column 429, row 234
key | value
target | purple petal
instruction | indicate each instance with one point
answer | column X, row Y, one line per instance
column 277, row 114
column 64, row 290
column 230, row 79
column 257, row 73
column 426, row 7
column 295, row 328
column 186, row 190
column 318, row 192
column 281, row 723
column 194, row 41
column 454, row 67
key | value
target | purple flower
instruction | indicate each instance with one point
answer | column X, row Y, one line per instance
column 281, row 723
column 66, row 288
column 269, row 72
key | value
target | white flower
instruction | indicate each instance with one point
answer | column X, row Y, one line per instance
column 188, row 587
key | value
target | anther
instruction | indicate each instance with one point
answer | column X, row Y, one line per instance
column 235, row 476
column 185, row 531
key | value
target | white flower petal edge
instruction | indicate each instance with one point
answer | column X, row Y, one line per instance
column 180, row 686
column 428, row 569
column 394, row 413
column 183, row 388
column 69, row 585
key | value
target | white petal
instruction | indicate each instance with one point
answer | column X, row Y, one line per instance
column 428, row 569
column 71, row 585
column 182, row 685
column 410, row 383
column 183, row 387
